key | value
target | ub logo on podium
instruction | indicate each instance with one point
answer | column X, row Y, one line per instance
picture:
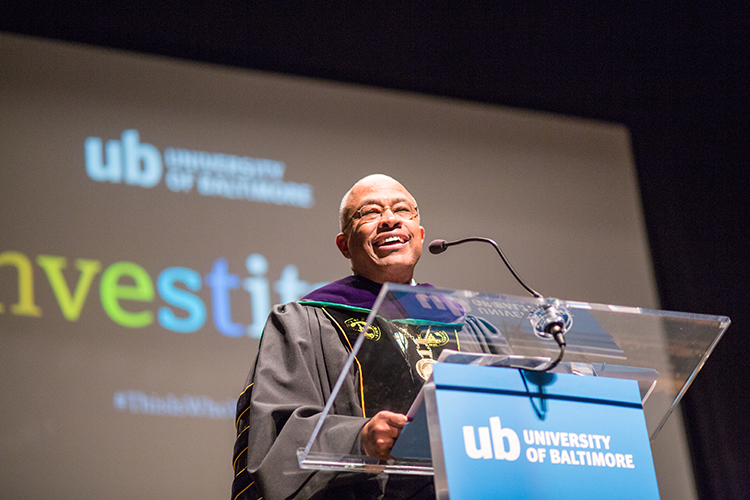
column 492, row 439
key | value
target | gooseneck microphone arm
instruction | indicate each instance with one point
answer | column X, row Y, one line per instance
column 550, row 320
column 440, row 246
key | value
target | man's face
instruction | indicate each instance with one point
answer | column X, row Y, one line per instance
column 388, row 248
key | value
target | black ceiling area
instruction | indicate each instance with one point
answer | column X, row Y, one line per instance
column 675, row 73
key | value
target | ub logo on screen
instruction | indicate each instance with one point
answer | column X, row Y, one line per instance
column 131, row 161
column 126, row 160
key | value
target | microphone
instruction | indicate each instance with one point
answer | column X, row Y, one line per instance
column 438, row 246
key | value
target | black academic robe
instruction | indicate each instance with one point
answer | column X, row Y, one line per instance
column 302, row 352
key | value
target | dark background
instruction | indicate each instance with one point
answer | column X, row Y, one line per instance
column 675, row 73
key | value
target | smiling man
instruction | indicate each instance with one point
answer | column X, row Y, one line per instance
column 380, row 231
column 303, row 349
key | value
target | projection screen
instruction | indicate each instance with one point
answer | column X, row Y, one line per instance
column 153, row 210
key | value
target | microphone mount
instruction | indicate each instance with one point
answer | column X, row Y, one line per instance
column 551, row 321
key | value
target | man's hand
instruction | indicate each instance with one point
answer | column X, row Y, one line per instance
column 380, row 433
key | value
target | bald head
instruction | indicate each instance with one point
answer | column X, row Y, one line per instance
column 370, row 183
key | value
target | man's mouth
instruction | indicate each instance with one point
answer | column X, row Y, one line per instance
column 391, row 241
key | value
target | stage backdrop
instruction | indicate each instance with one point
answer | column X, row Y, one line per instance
column 153, row 210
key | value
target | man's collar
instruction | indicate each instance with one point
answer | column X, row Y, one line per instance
column 352, row 291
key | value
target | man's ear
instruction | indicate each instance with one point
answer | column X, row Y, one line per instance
column 343, row 245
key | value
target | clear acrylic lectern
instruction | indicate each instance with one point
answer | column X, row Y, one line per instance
column 662, row 350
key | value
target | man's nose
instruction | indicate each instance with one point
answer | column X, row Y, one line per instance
column 389, row 218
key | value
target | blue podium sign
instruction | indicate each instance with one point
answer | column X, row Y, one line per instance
column 513, row 434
